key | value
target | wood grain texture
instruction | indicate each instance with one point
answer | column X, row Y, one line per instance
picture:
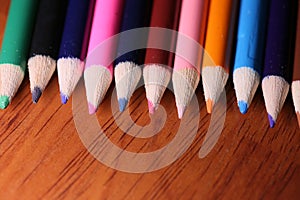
column 42, row 157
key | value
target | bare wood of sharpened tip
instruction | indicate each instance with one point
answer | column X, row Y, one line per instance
column 296, row 71
column 3, row 16
column 165, row 14
column 45, row 44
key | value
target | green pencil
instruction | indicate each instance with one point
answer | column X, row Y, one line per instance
column 15, row 47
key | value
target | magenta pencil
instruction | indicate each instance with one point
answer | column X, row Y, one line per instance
column 98, row 71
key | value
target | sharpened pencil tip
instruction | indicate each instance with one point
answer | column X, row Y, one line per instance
column 4, row 101
column 64, row 98
column 36, row 94
column 209, row 106
column 271, row 121
column 298, row 117
column 92, row 109
column 243, row 106
column 180, row 110
column 122, row 104
column 151, row 107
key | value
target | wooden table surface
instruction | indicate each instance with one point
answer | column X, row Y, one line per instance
column 42, row 156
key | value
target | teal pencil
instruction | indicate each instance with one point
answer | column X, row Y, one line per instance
column 15, row 47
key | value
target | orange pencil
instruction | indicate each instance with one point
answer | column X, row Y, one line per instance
column 219, row 36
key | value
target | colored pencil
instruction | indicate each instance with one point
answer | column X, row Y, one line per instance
column 70, row 64
column 45, row 44
column 127, row 67
column 275, row 83
column 15, row 47
column 98, row 72
column 251, row 41
column 218, row 46
column 186, row 76
column 296, row 71
column 165, row 14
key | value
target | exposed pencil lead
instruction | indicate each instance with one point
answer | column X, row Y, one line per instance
column 4, row 101
column 151, row 107
column 36, row 94
column 92, row 109
column 298, row 117
column 181, row 110
column 209, row 106
column 64, row 98
column 122, row 104
column 243, row 106
column 271, row 121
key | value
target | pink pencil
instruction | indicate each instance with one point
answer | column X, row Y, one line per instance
column 186, row 72
column 98, row 72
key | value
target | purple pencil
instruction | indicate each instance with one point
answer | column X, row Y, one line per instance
column 276, row 80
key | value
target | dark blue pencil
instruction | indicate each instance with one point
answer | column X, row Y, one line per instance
column 45, row 44
column 127, row 71
column 275, row 83
column 70, row 64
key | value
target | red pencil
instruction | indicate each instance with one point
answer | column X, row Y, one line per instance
column 165, row 14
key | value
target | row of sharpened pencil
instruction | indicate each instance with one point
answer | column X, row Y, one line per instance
column 75, row 36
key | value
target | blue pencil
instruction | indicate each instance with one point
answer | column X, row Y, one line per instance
column 250, row 50
column 136, row 14
column 70, row 64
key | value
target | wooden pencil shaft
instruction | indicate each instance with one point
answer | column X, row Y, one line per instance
column 87, row 32
column 104, row 13
column 191, row 10
column 165, row 14
column 17, row 36
column 296, row 72
column 251, row 35
column 279, row 39
column 136, row 14
column 48, row 28
column 74, row 29
column 220, row 30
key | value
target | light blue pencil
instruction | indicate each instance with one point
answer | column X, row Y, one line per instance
column 249, row 50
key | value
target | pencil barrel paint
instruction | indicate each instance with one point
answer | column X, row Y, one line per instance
column 48, row 28
column 296, row 71
column 219, row 31
column 74, row 29
column 278, row 46
column 191, row 10
column 18, row 30
column 105, row 24
column 136, row 14
column 251, row 34
column 165, row 14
